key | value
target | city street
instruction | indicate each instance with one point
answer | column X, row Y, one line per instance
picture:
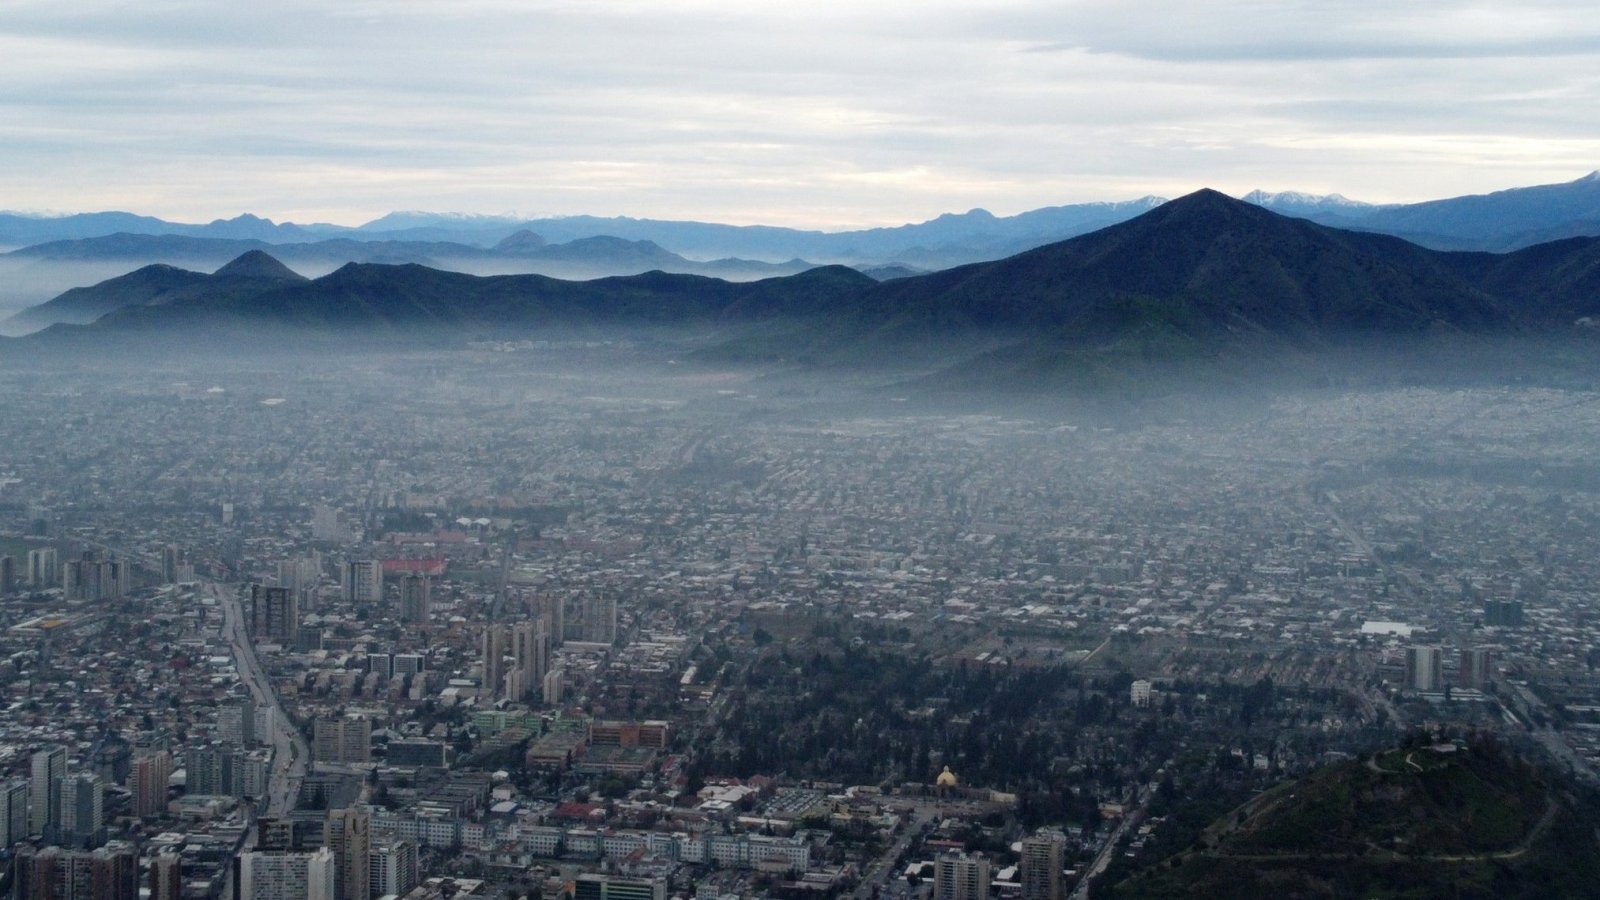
column 290, row 752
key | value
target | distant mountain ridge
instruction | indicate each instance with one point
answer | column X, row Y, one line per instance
column 522, row 251
column 1204, row 278
column 1499, row 221
column 946, row 240
column 23, row 230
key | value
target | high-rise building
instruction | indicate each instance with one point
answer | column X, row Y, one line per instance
column 289, row 574
column 341, row 739
column 171, row 560
column 1043, row 861
column 33, row 872
column 1475, row 670
column 266, row 723
column 13, row 812
column 80, row 578
column 408, row 663
column 215, row 770
column 273, row 614
column 8, row 574
column 516, row 684
column 1503, row 613
column 236, row 722
column 301, row 576
column 381, row 664
column 961, row 877
column 47, row 769
column 1423, row 666
column 166, row 876
column 552, row 609
column 393, row 866
column 599, row 619
column 530, row 647
column 83, row 817
column 347, row 833
column 282, row 875
column 44, row 567
column 257, row 773
column 108, row 873
column 496, row 645
column 120, row 574
column 552, row 687
column 416, row 596
column 92, row 578
column 515, row 658
column 152, row 773
column 362, row 581
column 114, row 872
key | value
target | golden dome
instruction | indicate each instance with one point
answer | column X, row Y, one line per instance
column 947, row 778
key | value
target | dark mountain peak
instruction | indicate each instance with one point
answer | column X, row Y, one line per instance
column 1204, row 211
column 519, row 240
column 1204, row 270
column 157, row 270
column 1207, row 198
column 160, row 275
column 260, row 265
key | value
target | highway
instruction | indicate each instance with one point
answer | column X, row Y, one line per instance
column 1549, row 738
column 290, row 753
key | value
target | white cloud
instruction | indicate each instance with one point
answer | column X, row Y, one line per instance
column 828, row 114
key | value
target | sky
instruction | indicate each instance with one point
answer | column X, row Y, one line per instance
column 821, row 114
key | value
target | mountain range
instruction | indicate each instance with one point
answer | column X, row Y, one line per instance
column 58, row 253
column 1499, row 221
column 1204, row 278
column 587, row 257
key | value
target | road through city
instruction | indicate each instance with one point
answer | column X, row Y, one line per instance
column 290, row 753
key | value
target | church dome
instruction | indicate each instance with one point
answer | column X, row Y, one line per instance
column 947, row 778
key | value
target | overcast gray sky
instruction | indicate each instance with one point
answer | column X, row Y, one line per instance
column 821, row 114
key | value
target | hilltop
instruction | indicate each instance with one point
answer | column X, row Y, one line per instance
column 1463, row 819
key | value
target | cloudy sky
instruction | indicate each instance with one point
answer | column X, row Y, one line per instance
column 822, row 114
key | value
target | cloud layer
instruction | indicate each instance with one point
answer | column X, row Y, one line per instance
column 824, row 114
